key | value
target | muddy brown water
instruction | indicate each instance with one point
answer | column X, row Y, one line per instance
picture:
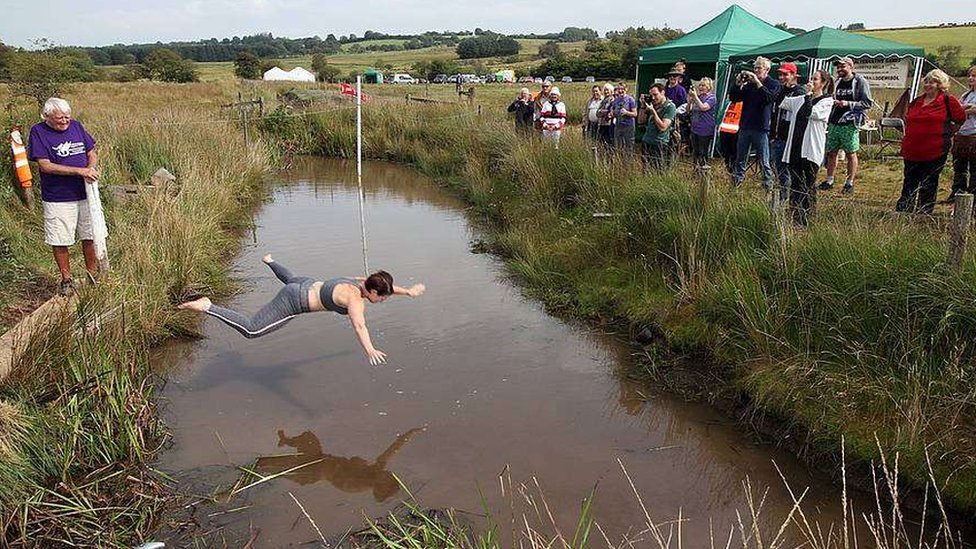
column 479, row 378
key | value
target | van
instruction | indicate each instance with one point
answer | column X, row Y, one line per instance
column 402, row 78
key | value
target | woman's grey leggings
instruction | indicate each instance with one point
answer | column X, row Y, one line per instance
column 290, row 302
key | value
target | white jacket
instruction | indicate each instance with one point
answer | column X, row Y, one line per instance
column 553, row 116
column 815, row 136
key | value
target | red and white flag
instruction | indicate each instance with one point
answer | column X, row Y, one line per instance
column 348, row 89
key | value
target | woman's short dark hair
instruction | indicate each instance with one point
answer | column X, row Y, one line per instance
column 381, row 281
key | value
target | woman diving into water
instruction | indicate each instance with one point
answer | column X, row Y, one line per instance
column 344, row 295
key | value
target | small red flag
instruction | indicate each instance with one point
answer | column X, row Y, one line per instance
column 346, row 88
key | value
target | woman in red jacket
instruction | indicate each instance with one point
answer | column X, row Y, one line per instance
column 929, row 125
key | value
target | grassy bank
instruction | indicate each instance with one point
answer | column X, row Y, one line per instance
column 78, row 424
column 852, row 328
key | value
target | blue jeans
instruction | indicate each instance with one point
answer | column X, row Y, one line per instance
column 758, row 140
column 776, row 149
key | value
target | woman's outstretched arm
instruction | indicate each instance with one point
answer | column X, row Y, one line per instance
column 416, row 290
column 357, row 316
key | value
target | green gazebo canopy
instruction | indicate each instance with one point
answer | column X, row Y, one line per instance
column 733, row 31
column 825, row 42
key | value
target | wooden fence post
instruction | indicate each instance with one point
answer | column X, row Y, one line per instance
column 244, row 121
column 596, row 153
column 704, row 174
column 962, row 216
column 29, row 198
column 774, row 202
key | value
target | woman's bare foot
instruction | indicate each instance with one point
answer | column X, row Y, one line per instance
column 267, row 258
column 200, row 305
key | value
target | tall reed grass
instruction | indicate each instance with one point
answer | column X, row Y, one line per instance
column 852, row 328
column 529, row 523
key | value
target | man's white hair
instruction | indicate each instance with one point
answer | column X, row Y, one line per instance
column 763, row 62
column 55, row 104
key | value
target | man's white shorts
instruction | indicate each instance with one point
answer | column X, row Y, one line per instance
column 63, row 219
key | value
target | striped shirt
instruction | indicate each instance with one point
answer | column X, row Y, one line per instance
column 553, row 116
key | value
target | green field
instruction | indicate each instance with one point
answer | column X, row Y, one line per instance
column 402, row 61
column 931, row 38
column 383, row 42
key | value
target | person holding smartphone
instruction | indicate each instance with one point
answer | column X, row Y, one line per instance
column 524, row 110
column 660, row 123
column 625, row 118
column 605, row 116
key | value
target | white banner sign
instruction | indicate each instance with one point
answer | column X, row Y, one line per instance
column 886, row 74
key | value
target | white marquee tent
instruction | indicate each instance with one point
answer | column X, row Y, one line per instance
column 297, row 74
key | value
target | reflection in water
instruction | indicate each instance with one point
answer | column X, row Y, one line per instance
column 349, row 474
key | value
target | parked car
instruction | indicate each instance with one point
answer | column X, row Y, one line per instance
column 489, row 78
column 537, row 80
column 550, row 78
column 526, row 80
column 439, row 79
column 590, row 79
column 567, row 79
column 402, row 78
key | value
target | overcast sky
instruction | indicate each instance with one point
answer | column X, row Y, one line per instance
column 104, row 22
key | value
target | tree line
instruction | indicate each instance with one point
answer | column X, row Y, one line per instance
column 615, row 57
column 42, row 73
column 266, row 45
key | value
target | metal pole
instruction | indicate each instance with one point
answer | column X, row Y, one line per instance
column 359, row 165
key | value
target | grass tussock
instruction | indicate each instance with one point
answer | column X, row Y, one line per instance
column 78, row 420
column 854, row 327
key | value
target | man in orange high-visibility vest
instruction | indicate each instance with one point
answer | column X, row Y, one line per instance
column 727, row 135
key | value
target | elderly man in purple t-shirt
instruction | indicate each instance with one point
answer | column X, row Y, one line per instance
column 65, row 156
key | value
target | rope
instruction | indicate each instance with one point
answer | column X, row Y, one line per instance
column 359, row 167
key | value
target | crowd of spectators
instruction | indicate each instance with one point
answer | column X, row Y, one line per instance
column 788, row 131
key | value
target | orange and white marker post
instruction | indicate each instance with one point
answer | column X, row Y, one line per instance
column 21, row 166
